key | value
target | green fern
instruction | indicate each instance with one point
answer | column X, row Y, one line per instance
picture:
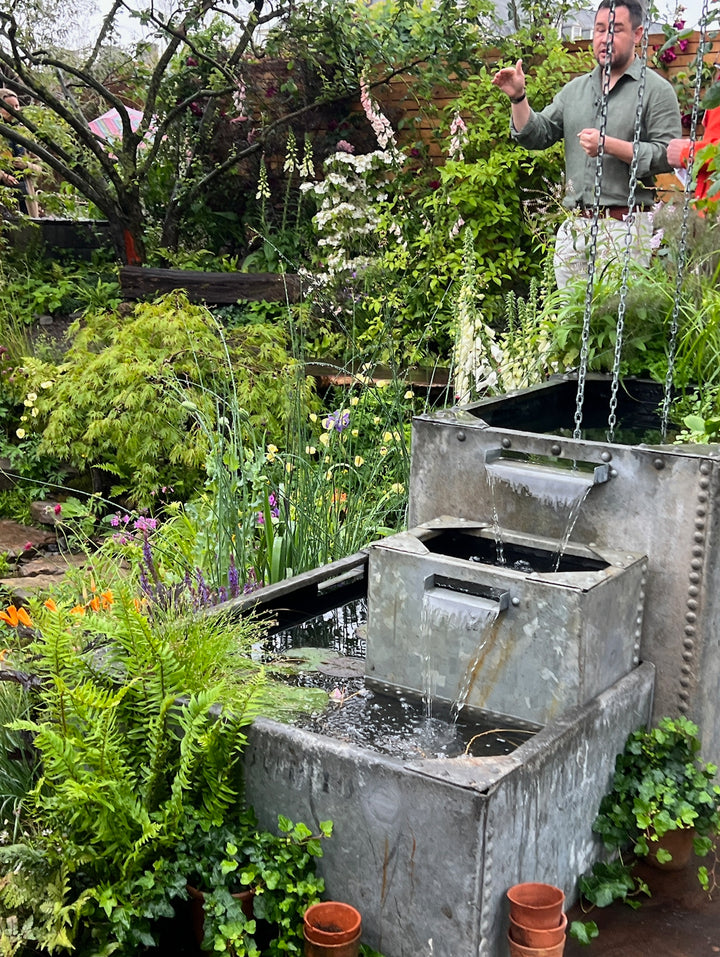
column 135, row 727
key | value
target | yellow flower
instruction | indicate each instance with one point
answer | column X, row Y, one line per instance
column 34, row 411
column 313, row 417
column 329, row 475
column 397, row 487
column 31, row 397
column 359, row 461
column 354, row 400
column 387, row 437
column 326, row 459
column 376, row 420
column 355, row 433
column 383, row 450
column 310, row 450
column 47, row 384
column 409, row 394
column 325, row 438
column 289, row 467
column 396, row 436
column 271, row 453
column 21, row 433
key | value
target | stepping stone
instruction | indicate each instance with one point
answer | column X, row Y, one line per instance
column 17, row 540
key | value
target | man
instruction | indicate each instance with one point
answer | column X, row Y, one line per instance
column 15, row 168
column 575, row 116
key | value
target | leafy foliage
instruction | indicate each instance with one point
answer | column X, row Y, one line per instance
column 121, row 399
column 660, row 784
column 278, row 868
column 126, row 722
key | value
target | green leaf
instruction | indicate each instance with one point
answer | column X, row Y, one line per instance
column 584, row 931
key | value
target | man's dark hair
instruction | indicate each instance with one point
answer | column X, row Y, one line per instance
column 635, row 9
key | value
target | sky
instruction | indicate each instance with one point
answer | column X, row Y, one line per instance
column 130, row 30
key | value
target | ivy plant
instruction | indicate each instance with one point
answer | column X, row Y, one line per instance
column 660, row 784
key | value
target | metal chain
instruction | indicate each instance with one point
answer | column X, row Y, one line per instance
column 632, row 186
column 682, row 247
column 585, row 341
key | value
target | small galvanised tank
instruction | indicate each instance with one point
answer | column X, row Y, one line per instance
column 517, row 629
column 660, row 500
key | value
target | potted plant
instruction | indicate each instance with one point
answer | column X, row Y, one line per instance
column 253, row 886
column 661, row 787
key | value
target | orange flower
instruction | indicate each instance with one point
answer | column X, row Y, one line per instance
column 338, row 497
column 50, row 605
column 94, row 603
column 4, row 654
column 78, row 610
column 16, row 616
column 107, row 599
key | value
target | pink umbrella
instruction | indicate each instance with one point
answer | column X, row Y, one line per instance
column 109, row 125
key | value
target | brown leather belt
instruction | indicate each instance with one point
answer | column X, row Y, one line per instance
column 614, row 212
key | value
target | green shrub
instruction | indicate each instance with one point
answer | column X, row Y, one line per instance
column 120, row 401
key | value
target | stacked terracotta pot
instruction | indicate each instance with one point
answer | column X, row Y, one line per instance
column 332, row 929
column 537, row 921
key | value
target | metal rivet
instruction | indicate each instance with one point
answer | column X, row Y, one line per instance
column 688, row 656
column 690, row 631
column 684, row 682
column 696, row 563
column 694, row 577
column 506, row 443
column 461, row 436
column 699, row 537
column 515, row 600
column 705, row 468
column 688, row 644
column 606, row 457
column 555, row 449
column 704, row 483
column 693, row 590
column 692, row 604
column 702, row 497
column 698, row 550
column 659, row 464
column 691, row 617
column 613, row 473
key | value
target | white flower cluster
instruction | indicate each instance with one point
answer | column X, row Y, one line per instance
column 352, row 198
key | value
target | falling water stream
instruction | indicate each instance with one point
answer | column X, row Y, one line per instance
column 560, row 488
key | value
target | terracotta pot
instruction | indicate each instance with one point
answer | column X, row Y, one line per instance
column 536, row 905
column 197, row 909
column 679, row 843
column 536, row 936
column 517, row 950
column 332, row 929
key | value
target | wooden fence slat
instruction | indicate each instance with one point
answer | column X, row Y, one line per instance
column 219, row 288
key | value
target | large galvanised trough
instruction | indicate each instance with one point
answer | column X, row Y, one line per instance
column 524, row 640
column 426, row 849
column 658, row 500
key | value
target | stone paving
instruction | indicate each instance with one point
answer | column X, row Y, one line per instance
column 34, row 558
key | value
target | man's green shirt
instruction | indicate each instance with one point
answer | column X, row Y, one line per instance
column 578, row 106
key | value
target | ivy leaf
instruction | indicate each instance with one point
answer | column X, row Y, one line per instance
column 584, row 931
column 711, row 98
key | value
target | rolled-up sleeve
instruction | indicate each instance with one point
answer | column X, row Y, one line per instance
column 542, row 129
column 660, row 124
